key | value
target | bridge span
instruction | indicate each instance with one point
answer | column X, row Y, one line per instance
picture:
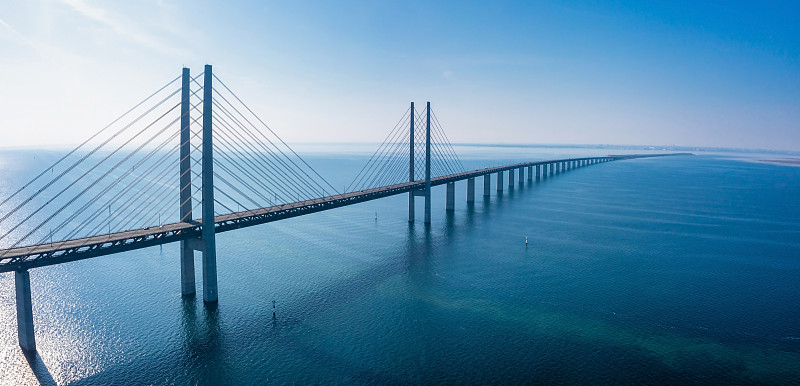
column 40, row 255
column 261, row 172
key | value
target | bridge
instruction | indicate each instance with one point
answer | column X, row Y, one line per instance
column 142, row 169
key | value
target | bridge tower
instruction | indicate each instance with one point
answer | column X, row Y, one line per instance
column 186, row 253
column 207, row 241
column 411, row 177
column 208, row 234
column 425, row 191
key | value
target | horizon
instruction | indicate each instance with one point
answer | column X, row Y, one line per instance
column 646, row 147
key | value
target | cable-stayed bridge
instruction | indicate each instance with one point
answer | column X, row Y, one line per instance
column 192, row 160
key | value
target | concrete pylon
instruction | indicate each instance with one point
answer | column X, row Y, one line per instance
column 428, row 165
column 22, row 282
column 208, row 234
column 471, row 189
column 186, row 252
column 411, row 176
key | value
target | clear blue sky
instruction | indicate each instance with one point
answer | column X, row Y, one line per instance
column 721, row 73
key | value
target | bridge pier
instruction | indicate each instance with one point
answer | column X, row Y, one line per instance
column 510, row 178
column 487, row 185
column 499, row 181
column 22, row 282
column 530, row 173
column 451, row 197
column 411, row 213
column 208, row 233
column 411, row 176
column 471, row 190
column 537, row 168
column 521, row 175
column 188, row 286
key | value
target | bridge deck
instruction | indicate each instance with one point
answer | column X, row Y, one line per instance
column 83, row 248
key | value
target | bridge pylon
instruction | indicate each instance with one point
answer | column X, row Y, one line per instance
column 208, row 233
column 426, row 190
column 186, row 253
column 206, row 244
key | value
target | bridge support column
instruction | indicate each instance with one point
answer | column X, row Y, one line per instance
column 208, row 231
column 186, row 252
column 428, row 165
column 530, row 173
column 487, row 185
column 22, row 281
column 537, row 171
column 411, row 176
column 471, row 190
column 411, row 213
column 451, row 197
column 521, row 175
column 500, row 181
column 511, row 178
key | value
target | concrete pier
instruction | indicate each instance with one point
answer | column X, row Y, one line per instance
column 487, row 185
column 530, row 173
column 428, row 164
column 521, row 179
column 208, row 233
column 511, row 178
column 471, row 189
column 538, row 171
column 188, row 286
column 411, row 165
column 451, row 196
column 499, row 181
column 22, row 281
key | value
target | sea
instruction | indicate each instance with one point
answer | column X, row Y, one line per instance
column 667, row 270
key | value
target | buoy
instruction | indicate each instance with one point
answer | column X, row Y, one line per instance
column 526, row 241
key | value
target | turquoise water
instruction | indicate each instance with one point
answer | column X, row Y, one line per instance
column 664, row 270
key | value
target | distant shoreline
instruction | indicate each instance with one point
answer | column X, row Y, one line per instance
column 788, row 161
column 795, row 162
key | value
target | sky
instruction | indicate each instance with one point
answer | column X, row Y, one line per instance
column 695, row 73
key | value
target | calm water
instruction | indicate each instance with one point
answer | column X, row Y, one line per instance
column 673, row 270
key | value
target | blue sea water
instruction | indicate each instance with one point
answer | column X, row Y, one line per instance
column 662, row 270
